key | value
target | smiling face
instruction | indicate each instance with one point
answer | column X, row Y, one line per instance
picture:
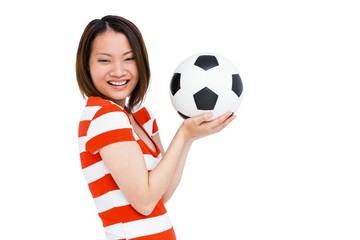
column 113, row 66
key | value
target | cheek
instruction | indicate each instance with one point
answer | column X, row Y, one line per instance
column 96, row 74
column 135, row 72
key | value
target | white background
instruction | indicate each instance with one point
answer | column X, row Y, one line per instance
column 286, row 168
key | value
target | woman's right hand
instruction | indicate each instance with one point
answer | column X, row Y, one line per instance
column 200, row 126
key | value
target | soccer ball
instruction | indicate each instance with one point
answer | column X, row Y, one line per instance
column 205, row 82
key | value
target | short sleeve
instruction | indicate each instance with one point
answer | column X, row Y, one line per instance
column 109, row 125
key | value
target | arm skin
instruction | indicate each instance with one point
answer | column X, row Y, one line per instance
column 178, row 172
column 144, row 189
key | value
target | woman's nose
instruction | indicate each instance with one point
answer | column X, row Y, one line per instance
column 117, row 70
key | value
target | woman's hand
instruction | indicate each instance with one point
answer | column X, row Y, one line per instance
column 200, row 126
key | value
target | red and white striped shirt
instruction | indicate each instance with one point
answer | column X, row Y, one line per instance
column 104, row 122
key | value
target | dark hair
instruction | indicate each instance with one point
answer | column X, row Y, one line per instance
column 122, row 25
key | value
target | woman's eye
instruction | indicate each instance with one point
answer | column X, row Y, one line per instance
column 130, row 59
column 103, row 60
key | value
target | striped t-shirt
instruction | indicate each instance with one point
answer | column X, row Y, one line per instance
column 104, row 122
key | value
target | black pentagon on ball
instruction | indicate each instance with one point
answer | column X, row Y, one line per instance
column 237, row 85
column 175, row 83
column 205, row 99
column 206, row 62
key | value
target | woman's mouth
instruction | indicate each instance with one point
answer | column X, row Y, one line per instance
column 117, row 83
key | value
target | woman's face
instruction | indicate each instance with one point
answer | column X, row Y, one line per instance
column 113, row 67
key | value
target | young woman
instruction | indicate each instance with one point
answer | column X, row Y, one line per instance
column 129, row 174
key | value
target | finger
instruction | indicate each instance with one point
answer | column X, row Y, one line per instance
column 222, row 121
column 202, row 118
column 221, row 118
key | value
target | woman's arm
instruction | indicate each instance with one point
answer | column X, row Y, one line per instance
column 144, row 189
column 178, row 172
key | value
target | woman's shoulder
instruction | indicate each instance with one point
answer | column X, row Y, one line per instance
column 96, row 107
column 104, row 104
column 99, row 101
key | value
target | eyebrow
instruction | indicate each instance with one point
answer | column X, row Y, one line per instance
column 107, row 54
column 126, row 53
